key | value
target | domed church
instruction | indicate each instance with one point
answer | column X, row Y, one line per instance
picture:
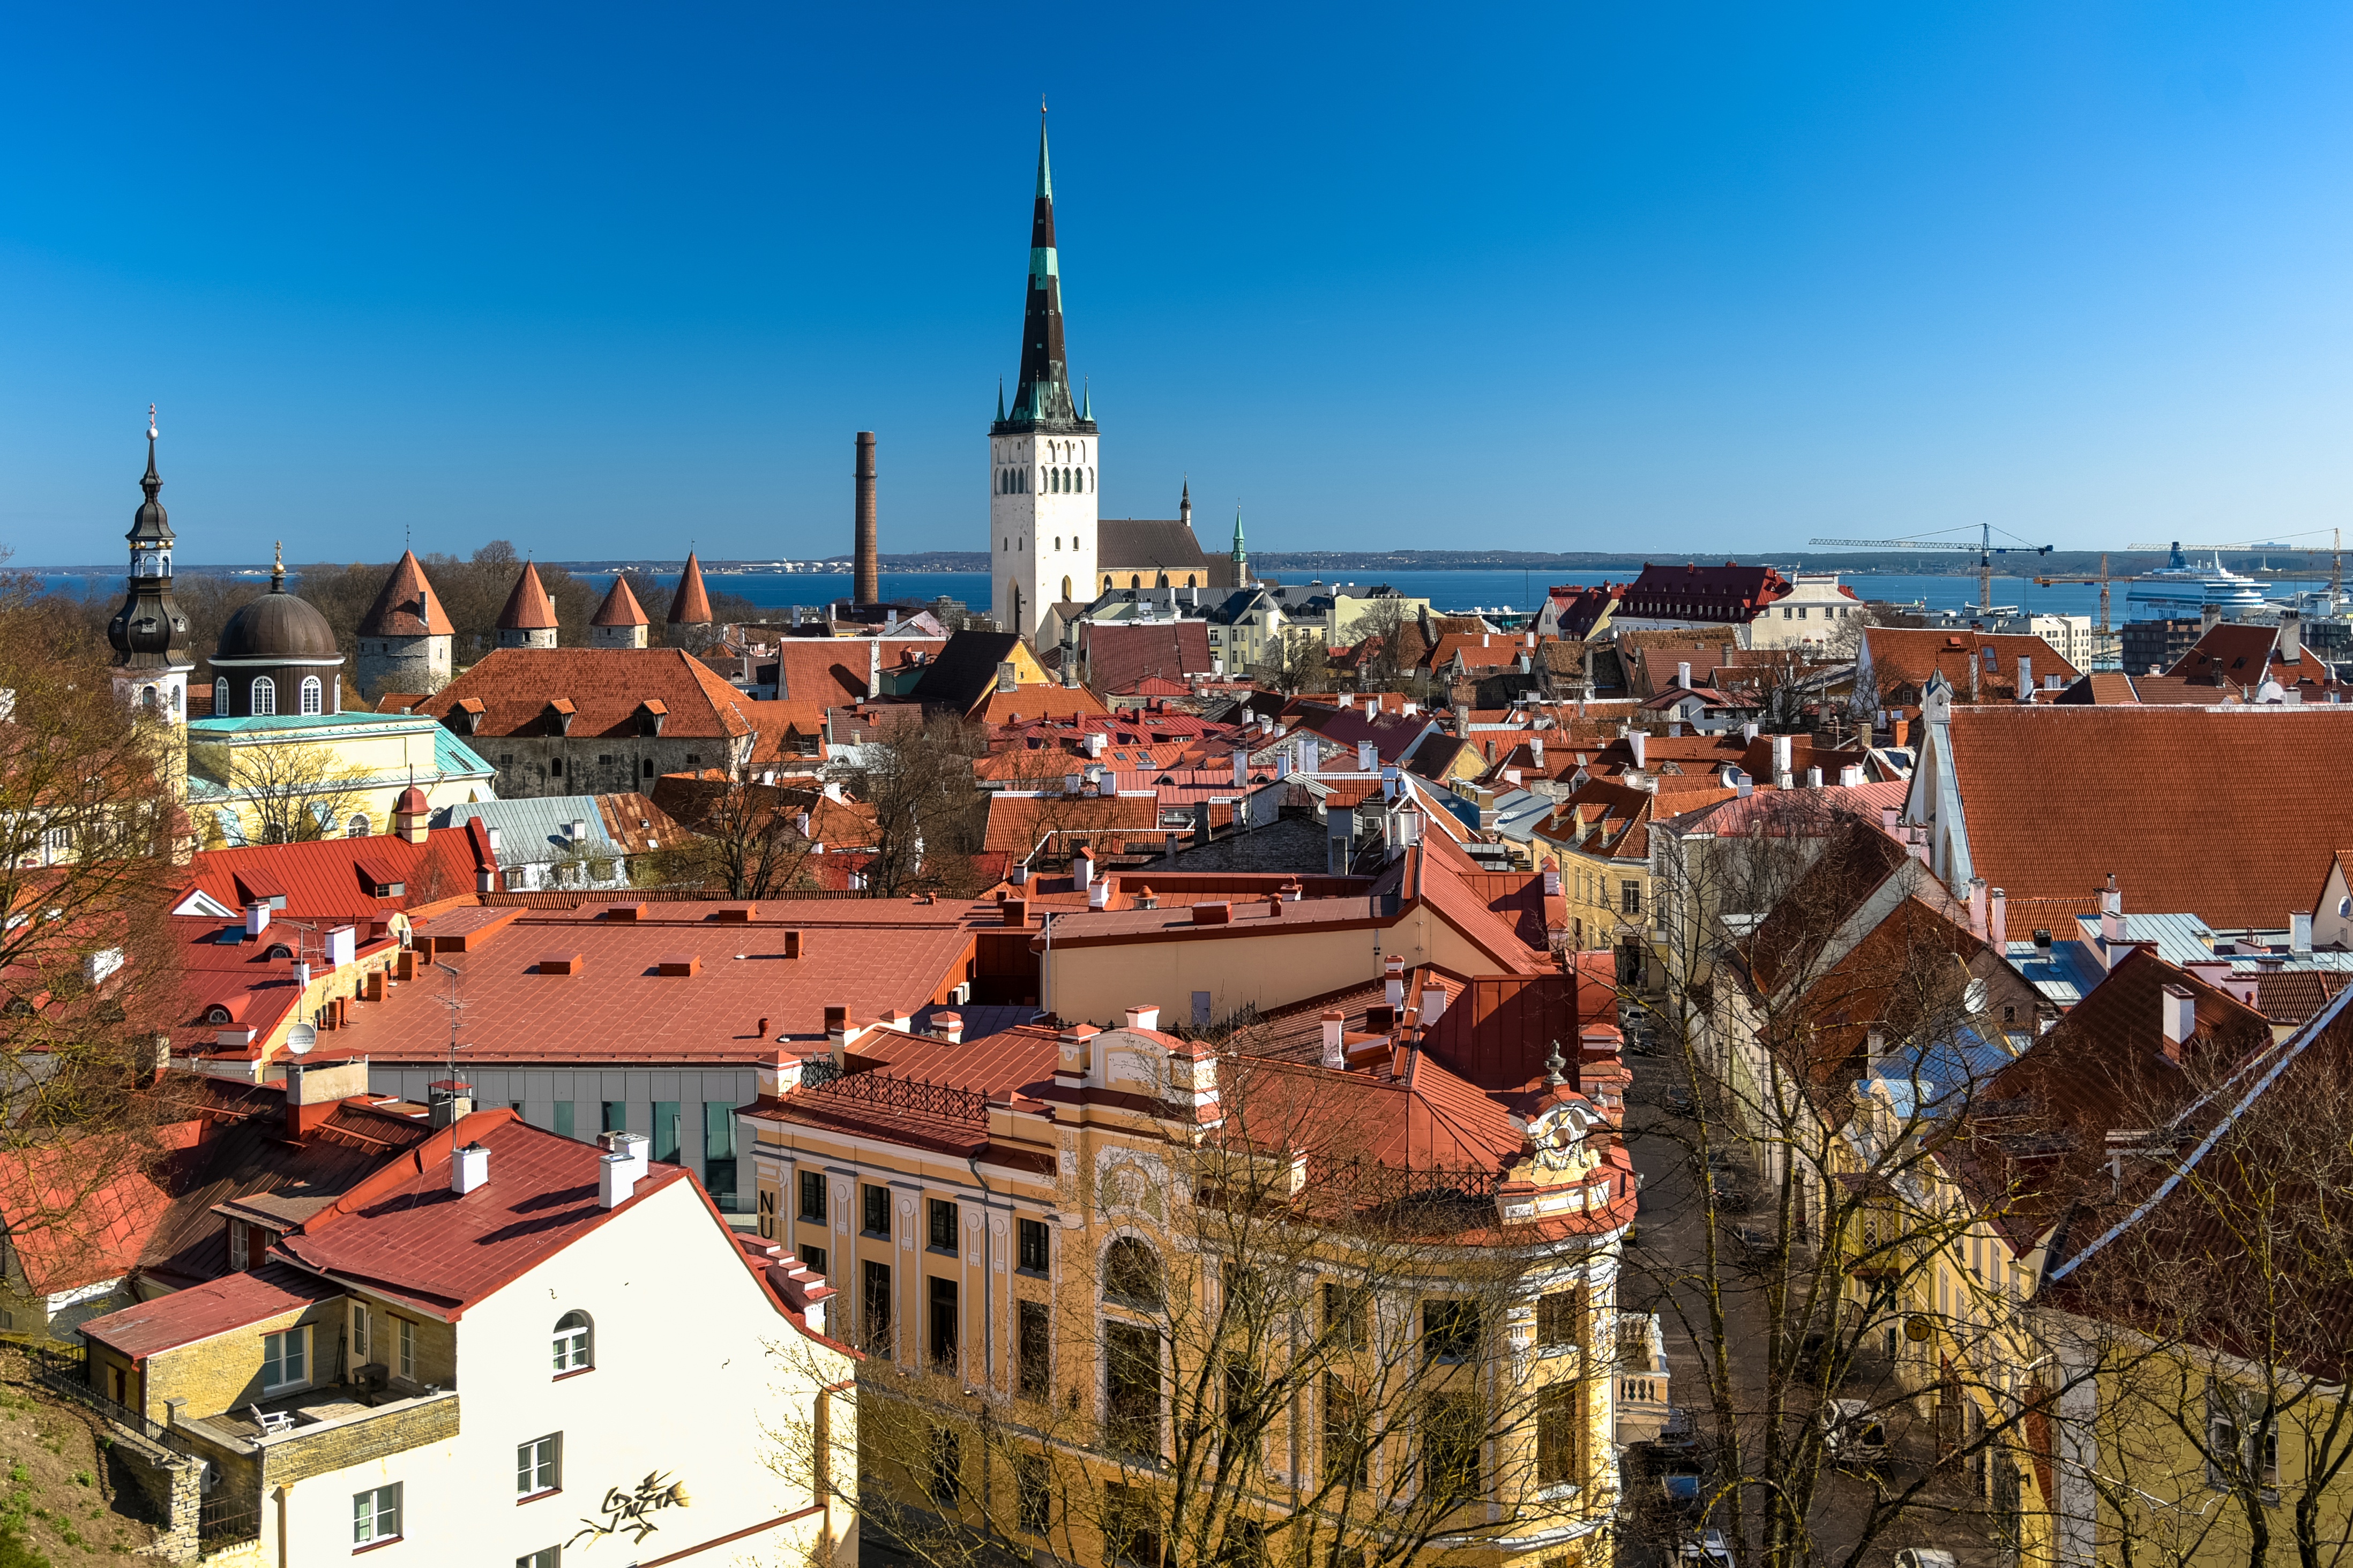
column 278, row 654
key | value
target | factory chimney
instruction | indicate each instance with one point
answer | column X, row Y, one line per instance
column 866, row 587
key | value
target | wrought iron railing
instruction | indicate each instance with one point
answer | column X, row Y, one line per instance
column 885, row 1091
column 61, row 1372
column 224, row 1521
column 818, row 1071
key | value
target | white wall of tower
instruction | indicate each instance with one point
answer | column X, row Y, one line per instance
column 1041, row 516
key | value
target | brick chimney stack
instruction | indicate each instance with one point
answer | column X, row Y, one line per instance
column 867, row 585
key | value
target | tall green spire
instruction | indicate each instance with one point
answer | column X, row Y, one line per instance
column 1041, row 393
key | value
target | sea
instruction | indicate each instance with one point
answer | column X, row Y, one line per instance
column 1503, row 593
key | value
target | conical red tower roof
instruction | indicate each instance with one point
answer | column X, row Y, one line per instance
column 408, row 607
column 620, row 607
column 689, row 607
column 529, row 609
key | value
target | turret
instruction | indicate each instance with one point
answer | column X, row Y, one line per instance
column 690, row 625
column 404, row 640
column 620, row 621
column 529, row 619
column 150, row 633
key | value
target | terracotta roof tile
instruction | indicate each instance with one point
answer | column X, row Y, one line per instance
column 608, row 687
column 528, row 608
column 407, row 606
column 690, row 605
column 620, row 607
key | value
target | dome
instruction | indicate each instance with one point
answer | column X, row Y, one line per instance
column 411, row 803
column 277, row 625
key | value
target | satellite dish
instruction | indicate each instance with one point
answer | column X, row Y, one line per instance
column 301, row 1038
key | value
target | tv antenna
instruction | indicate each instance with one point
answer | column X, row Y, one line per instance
column 456, row 1004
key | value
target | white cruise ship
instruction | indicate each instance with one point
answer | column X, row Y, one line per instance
column 2181, row 588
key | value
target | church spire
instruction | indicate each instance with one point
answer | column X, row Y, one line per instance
column 1042, row 397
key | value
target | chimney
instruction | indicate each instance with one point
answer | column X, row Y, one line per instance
column 778, row 1076
column 2181, row 1020
column 1749, row 732
column 1890, row 817
column 1978, row 908
column 1813, row 778
column 2291, row 636
column 1016, row 912
column 2209, row 618
column 1099, row 893
column 1997, row 917
column 1008, row 677
column 1682, row 676
column 1552, row 878
column 1082, row 869
column 617, row 1178
column 1851, row 776
column 1637, row 742
column 1241, row 768
column 1536, row 750
column 2299, row 934
column 948, row 1026
column 1094, row 744
column 256, row 917
column 451, row 1104
column 867, row 584
column 1433, row 1001
column 494, row 841
column 1143, row 1016
column 2025, row 678
column 1782, row 761
column 468, row 1169
column 1335, row 1050
column 1368, row 757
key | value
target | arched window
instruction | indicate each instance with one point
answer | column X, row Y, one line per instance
column 1134, row 580
column 1090, row 481
column 147, row 699
column 575, row 1351
column 313, row 694
column 265, row 695
column 176, row 699
column 1058, row 544
column 1132, row 1272
column 279, row 950
column 220, row 699
column 1191, row 580
column 1162, row 581
column 357, row 827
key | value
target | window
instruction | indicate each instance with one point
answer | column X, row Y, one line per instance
column 615, row 1117
column 1347, row 1314
column 1560, row 1431
column 1131, row 1526
column 1560, row 1317
column 815, row 1258
column 1033, row 1345
column 1132, row 1382
column 359, row 1333
column 877, row 1203
column 312, row 694
column 555, row 766
column 1347, row 1438
column 943, row 1324
column 874, row 1297
column 1449, row 1330
column 813, row 1196
column 1033, row 1254
column 947, row 1459
column 265, row 695
column 357, row 827
column 220, row 699
column 406, row 1347
column 1450, row 1446
column 1131, row 1273
column 1033, row 1494
column 944, row 1223
column 719, row 1150
column 573, row 1333
column 666, row 1130
column 376, row 1515
column 538, row 1465
column 285, row 1359
column 545, row 1557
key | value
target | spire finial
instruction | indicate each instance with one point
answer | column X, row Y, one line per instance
column 150, row 422
column 1552, row 1064
column 278, row 566
column 1000, row 400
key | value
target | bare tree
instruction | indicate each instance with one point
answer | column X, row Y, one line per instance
column 750, row 840
column 293, row 792
column 1296, row 661
column 929, row 820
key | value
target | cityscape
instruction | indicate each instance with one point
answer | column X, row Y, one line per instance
column 926, row 1025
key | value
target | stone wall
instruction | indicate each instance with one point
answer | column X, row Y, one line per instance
column 316, row 1450
column 597, row 765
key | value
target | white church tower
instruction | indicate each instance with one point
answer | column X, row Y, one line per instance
column 1042, row 456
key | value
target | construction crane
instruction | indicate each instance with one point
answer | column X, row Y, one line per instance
column 1984, row 547
column 2334, row 549
column 2103, row 579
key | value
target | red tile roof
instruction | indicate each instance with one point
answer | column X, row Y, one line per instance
column 2240, row 658
column 1729, row 592
column 215, row 1307
column 1907, row 656
column 2057, row 799
column 1026, row 703
column 1120, row 657
column 609, row 689
column 690, row 605
column 528, row 608
column 620, row 607
column 1018, row 822
column 333, row 879
column 408, row 607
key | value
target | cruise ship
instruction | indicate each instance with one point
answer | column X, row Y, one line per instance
column 2182, row 588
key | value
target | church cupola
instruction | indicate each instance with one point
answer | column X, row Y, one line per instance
column 149, row 633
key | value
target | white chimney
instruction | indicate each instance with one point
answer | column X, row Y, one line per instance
column 1433, row 1001
column 1094, row 742
column 579, row 831
column 1813, row 778
column 1512, row 776
column 257, row 918
column 1552, row 878
column 2299, row 934
column 948, row 1026
column 1335, row 1050
column 494, row 841
column 635, row 1147
column 1099, row 893
column 1241, row 768
column 617, row 1178
column 2025, row 678
column 469, row 1168
column 1748, row 731
column 1997, row 917
column 1143, row 1016
column 1636, row 742
column 1536, row 750
column 1368, row 757
column 1780, row 761
column 1851, row 776
column 2181, row 1019
column 1682, row 676
column 1393, row 987
column 1082, row 869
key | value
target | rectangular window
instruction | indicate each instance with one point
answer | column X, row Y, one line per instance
column 359, row 1333
column 1132, row 1379
column 538, row 1465
column 1034, row 1346
column 545, row 1557
column 815, row 1258
column 563, row 1119
column 1033, row 1494
column 1449, row 1330
column 1346, row 1439
column 1347, row 1314
column 1033, row 1246
column 616, row 1116
column 1629, row 897
column 1560, row 1432
column 1450, row 1446
column 719, row 1150
column 667, row 1130
column 376, row 1515
column 1560, row 1317
column 943, row 1324
column 874, row 1298
column 407, row 1339
column 876, row 1202
column 285, row 1359
column 813, row 1196
column 946, row 1461
column 944, row 1223
column 1131, row 1526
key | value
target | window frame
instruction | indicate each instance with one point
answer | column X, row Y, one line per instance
column 1026, row 1233
column 810, row 1198
column 573, row 1344
column 1033, row 1349
column 1460, row 1318
column 874, row 1200
column 404, row 1346
column 935, row 1212
column 539, row 1466
column 371, row 1520
column 297, row 1339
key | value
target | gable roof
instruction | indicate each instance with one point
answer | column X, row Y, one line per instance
column 407, row 606
column 1121, row 655
column 1908, row 656
column 1144, row 544
column 608, row 688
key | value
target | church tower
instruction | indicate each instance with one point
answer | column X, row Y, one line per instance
column 150, row 632
column 1042, row 457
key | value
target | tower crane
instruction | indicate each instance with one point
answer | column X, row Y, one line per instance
column 1984, row 547
column 2103, row 579
column 2334, row 549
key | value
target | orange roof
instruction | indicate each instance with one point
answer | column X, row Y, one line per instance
column 407, row 606
column 1907, row 655
column 620, row 607
column 1030, row 703
column 1016, row 822
column 689, row 605
column 529, row 609
column 609, row 688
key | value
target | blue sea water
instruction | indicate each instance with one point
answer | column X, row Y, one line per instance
column 1453, row 591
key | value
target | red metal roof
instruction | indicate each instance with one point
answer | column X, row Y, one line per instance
column 215, row 1307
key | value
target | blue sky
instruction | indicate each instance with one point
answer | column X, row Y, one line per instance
column 1684, row 277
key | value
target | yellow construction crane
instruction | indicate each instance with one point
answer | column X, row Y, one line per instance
column 2334, row 549
column 1984, row 547
column 2103, row 579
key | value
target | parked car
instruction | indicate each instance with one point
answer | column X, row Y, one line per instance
column 1851, row 1434
column 1708, row 1549
column 1679, row 1101
column 1640, row 1044
column 1681, row 1492
column 1721, row 1159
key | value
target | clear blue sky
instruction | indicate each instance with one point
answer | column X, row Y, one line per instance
column 1662, row 277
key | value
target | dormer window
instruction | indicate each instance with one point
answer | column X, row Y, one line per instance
column 217, row 1014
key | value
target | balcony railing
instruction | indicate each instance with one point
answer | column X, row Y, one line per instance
column 62, row 1372
column 885, row 1091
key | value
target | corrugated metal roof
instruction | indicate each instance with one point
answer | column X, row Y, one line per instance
column 537, row 829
